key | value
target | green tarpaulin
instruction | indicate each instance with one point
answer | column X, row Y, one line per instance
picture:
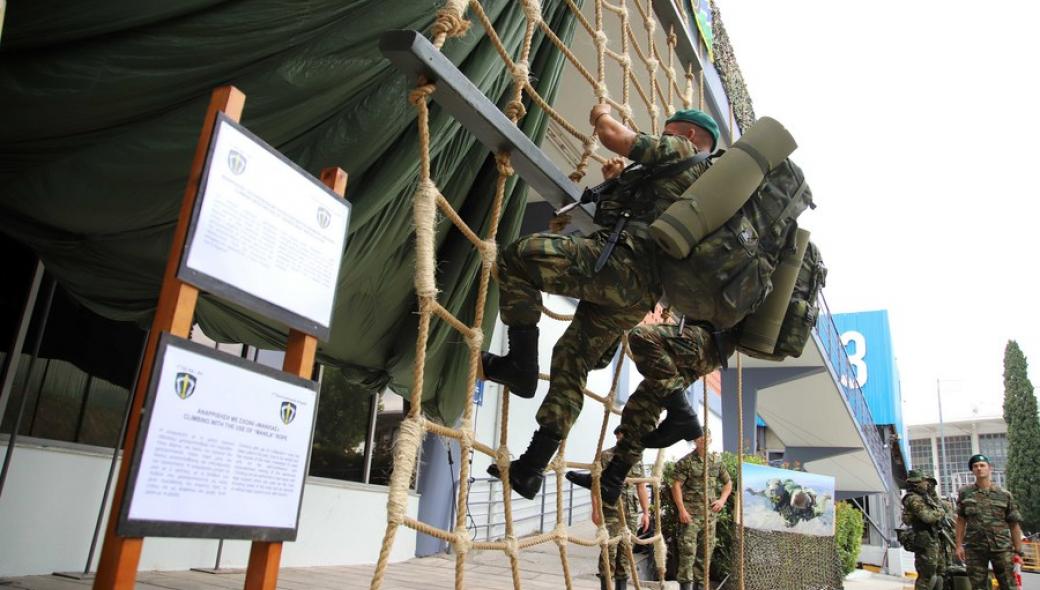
column 101, row 109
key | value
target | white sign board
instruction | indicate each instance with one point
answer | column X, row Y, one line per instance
column 265, row 233
column 223, row 450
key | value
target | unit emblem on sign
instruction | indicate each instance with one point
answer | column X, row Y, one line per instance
column 324, row 217
column 236, row 162
column 184, row 385
column 288, row 412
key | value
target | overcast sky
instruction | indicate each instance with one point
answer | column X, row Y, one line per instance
column 918, row 131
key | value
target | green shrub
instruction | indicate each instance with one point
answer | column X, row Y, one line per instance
column 848, row 534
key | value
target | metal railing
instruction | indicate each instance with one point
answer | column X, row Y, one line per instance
column 486, row 518
column 842, row 369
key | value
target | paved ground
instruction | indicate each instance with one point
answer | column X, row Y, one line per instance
column 540, row 570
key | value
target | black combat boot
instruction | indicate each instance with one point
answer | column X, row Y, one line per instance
column 613, row 479
column 620, row 583
column 685, row 585
column 604, row 584
column 517, row 370
column 527, row 472
column 580, row 478
column 680, row 423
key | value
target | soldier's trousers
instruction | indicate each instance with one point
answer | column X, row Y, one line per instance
column 669, row 362
column 692, row 538
column 611, row 301
column 977, row 563
column 619, row 566
column 930, row 565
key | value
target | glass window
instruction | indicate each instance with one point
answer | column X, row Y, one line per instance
column 390, row 412
column 340, row 436
column 921, row 455
column 995, row 447
column 958, row 451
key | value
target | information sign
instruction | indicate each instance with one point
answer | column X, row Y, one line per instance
column 223, row 448
column 265, row 234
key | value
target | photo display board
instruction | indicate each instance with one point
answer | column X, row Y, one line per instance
column 223, row 448
column 788, row 501
column 264, row 233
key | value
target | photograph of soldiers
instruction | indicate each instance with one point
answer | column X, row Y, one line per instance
column 636, row 500
column 924, row 515
column 988, row 528
column 788, row 501
column 611, row 272
column 697, row 528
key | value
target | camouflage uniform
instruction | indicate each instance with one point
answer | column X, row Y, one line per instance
column 925, row 515
column 612, row 519
column 689, row 471
column 988, row 514
column 668, row 362
column 613, row 300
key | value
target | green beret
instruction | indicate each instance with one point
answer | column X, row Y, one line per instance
column 976, row 458
column 700, row 119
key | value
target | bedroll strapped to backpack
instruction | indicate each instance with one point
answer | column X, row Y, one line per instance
column 728, row 274
column 801, row 312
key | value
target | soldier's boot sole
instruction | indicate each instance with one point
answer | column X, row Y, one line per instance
column 580, row 479
column 681, row 423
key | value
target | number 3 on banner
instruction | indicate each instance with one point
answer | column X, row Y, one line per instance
column 857, row 357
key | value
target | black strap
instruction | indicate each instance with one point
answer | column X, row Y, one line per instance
column 756, row 155
column 674, row 168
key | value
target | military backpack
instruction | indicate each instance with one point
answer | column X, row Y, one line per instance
column 802, row 310
column 727, row 275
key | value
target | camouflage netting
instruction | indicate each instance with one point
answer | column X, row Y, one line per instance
column 791, row 561
column 732, row 79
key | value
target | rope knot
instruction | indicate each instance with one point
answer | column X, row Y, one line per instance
column 533, row 10
column 521, row 71
column 421, row 93
column 450, row 21
column 408, row 440
column 515, row 110
column 561, row 535
column 502, row 460
column 512, row 546
column 626, row 111
column 601, row 39
column 652, row 63
column 502, row 162
column 601, row 91
column 489, row 249
column 463, row 542
column 626, row 61
column 654, row 111
column 672, row 38
column 650, row 25
column 424, row 216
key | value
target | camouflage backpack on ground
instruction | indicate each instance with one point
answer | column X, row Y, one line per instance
column 728, row 274
column 802, row 311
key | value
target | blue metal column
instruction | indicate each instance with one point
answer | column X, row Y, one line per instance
column 437, row 485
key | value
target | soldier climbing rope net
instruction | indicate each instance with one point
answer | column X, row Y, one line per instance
column 658, row 93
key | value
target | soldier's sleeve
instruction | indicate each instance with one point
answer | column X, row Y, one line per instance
column 960, row 504
column 1013, row 513
column 923, row 511
column 680, row 475
column 724, row 476
column 651, row 150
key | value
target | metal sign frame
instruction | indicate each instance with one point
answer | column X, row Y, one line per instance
column 227, row 291
column 155, row 528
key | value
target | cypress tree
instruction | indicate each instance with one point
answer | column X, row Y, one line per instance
column 1020, row 414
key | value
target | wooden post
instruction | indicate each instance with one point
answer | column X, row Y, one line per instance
column 117, row 568
column 264, row 557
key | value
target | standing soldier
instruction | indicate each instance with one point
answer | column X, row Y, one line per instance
column 689, row 494
column 988, row 528
column 924, row 514
column 637, row 516
column 948, row 524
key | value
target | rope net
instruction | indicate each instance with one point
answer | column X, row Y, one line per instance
column 657, row 94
